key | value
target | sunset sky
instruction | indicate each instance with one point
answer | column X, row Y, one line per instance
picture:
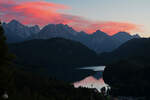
column 110, row 16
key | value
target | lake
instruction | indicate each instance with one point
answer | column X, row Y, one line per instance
column 93, row 81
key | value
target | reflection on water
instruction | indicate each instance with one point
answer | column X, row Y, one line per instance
column 91, row 81
column 94, row 68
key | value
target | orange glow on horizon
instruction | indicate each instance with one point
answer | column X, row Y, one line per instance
column 41, row 13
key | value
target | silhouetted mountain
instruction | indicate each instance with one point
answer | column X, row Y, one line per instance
column 98, row 41
column 99, row 34
column 58, row 55
column 129, row 73
column 134, row 47
column 55, row 30
column 136, row 36
column 101, row 42
column 17, row 32
column 21, row 83
column 122, row 36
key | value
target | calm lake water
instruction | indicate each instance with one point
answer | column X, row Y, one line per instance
column 95, row 81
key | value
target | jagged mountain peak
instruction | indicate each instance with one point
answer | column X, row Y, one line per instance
column 122, row 33
column 122, row 36
column 136, row 36
column 61, row 26
column 83, row 33
column 125, row 35
column 17, row 32
column 14, row 22
column 99, row 33
column 36, row 26
column 58, row 30
column 98, row 40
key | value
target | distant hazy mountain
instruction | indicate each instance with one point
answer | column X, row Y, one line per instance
column 58, row 55
column 58, row 30
column 98, row 41
column 122, row 37
column 17, row 32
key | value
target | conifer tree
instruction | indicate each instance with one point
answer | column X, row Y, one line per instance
column 5, row 62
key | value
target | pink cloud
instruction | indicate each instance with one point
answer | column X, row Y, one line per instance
column 41, row 12
column 109, row 27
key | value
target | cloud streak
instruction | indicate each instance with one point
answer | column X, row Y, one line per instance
column 110, row 27
column 41, row 12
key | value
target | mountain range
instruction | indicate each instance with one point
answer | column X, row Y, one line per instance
column 17, row 32
column 98, row 41
column 60, row 49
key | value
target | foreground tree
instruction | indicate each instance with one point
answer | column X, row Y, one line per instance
column 5, row 63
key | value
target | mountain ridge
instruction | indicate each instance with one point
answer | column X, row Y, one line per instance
column 57, row 55
column 98, row 41
column 17, row 32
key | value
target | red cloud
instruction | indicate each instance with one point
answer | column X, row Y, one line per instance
column 109, row 27
column 41, row 12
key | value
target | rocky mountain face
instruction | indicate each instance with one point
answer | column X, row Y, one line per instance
column 52, row 30
column 17, row 32
column 98, row 41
